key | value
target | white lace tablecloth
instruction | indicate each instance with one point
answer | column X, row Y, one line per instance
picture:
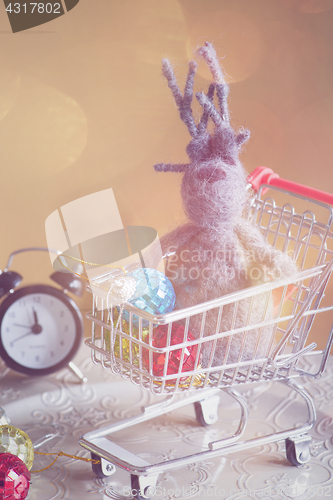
column 37, row 405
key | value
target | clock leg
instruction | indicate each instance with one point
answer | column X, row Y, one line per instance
column 77, row 372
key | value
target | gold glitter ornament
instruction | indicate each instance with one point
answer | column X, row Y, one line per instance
column 122, row 349
column 16, row 442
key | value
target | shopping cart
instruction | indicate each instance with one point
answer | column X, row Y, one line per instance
column 294, row 218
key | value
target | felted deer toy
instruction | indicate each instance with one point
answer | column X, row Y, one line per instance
column 218, row 251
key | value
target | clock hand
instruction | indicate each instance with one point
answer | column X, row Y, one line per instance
column 36, row 327
column 28, row 326
column 25, row 335
column 35, row 316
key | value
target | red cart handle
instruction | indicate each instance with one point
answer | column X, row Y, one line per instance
column 265, row 175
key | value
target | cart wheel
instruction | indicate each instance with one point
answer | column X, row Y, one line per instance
column 199, row 414
column 298, row 450
column 102, row 468
column 206, row 411
column 141, row 492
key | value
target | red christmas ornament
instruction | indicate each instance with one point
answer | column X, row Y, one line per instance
column 160, row 338
column 14, row 478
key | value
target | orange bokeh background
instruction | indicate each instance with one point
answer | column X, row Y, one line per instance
column 84, row 106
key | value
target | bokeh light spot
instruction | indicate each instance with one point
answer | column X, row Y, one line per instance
column 160, row 27
column 237, row 41
column 45, row 132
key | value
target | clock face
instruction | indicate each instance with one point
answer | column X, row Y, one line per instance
column 40, row 330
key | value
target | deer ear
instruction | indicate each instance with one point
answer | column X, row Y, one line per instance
column 242, row 136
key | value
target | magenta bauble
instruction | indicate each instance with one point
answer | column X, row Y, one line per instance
column 14, row 478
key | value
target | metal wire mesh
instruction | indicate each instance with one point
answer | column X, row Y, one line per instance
column 277, row 340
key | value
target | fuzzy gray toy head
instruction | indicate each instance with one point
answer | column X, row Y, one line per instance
column 214, row 183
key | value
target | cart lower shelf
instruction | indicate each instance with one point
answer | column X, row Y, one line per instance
column 144, row 475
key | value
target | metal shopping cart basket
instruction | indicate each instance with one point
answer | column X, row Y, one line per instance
column 294, row 218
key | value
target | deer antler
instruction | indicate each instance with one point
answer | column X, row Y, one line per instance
column 202, row 126
column 209, row 108
column 184, row 106
column 222, row 90
column 183, row 102
column 224, row 143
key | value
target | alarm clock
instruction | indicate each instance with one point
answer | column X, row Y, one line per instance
column 41, row 327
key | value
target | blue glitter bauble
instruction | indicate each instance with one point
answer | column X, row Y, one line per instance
column 154, row 293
